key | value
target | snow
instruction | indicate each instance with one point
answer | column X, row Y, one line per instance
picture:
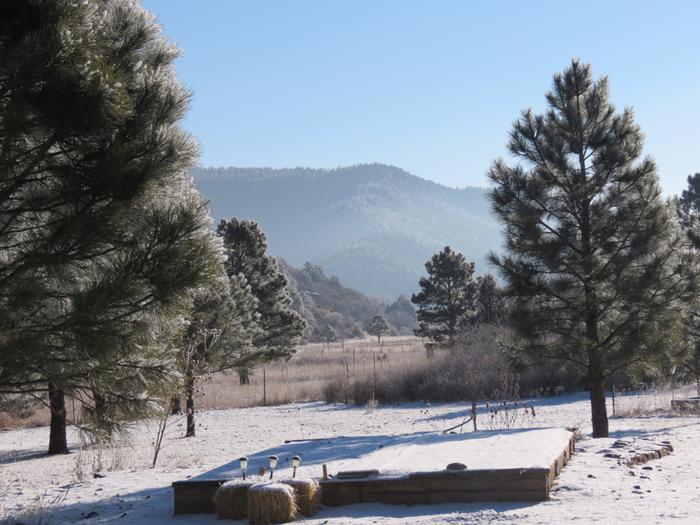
column 592, row 488
column 413, row 452
column 477, row 450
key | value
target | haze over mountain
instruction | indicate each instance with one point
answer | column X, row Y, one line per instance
column 372, row 225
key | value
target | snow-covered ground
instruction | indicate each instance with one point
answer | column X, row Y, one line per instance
column 593, row 487
column 398, row 454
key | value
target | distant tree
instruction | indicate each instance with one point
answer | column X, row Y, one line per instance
column 102, row 236
column 314, row 272
column 327, row 335
column 447, row 298
column 378, row 326
column 281, row 328
column 593, row 265
column 490, row 304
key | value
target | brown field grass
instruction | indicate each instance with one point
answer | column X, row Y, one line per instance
column 305, row 376
column 301, row 378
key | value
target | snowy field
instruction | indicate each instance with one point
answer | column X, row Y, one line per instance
column 593, row 488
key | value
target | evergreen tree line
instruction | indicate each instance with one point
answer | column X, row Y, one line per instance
column 599, row 271
column 115, row 293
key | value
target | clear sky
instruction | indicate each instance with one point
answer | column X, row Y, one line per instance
column 430, row 86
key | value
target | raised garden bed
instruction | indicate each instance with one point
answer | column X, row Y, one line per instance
column 511, row 465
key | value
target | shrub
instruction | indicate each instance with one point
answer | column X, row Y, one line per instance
column 472, row 369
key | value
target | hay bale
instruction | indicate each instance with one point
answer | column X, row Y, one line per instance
column 231, row 499
column 271, row 503
column 307, row 493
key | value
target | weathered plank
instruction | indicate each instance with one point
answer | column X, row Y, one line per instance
column 195, row 496
column 441, row 487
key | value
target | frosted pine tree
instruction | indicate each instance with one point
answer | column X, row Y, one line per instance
column 101, row 234
column 281, row 327
column 447, row 297
column 593, row 264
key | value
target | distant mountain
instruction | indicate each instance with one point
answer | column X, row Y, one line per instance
column 372, row 225
column 323, row 300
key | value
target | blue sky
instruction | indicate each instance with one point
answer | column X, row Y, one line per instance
column 430, row 86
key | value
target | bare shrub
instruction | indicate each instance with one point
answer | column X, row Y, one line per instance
column 108, row 456
column 38, row 511
column 549, row 379
column 507, row 411
column 471, row 369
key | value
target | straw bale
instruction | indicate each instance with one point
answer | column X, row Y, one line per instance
column 271, row 503
column 231, row 499
column 307, row 493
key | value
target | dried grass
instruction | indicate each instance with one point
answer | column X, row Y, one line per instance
column 231, row 499
column 271, row 503
column 306, row 375
column 307, row 493
column 303, row 378
column 650, row 402
column 38, row 511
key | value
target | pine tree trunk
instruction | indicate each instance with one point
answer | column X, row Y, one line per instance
column 100, row 416
column 175, row 406
column 58, row 443
column 189, row 403
column 100, row 404
column 599, row 412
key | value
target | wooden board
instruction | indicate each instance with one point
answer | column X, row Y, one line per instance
column 441, row 487
column 195, row 496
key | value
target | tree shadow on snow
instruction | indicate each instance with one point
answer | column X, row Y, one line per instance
column 456, row 510
column 16, row 456
column 155, row 505
column 646, row 433
column 482, row 409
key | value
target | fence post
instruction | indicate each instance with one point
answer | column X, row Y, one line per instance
column 613, row 398
column 374, row 363
column 264, row 388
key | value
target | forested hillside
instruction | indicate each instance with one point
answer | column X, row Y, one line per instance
column 323, row 301
column 372, row 225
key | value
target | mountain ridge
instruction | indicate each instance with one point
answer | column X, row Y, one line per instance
column 372, row 225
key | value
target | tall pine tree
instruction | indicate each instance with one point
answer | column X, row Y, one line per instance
column 281, row 328
column 378, row 327
column 218, row 336
column 447, row 297
column 102, row 236
column 593, row 264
